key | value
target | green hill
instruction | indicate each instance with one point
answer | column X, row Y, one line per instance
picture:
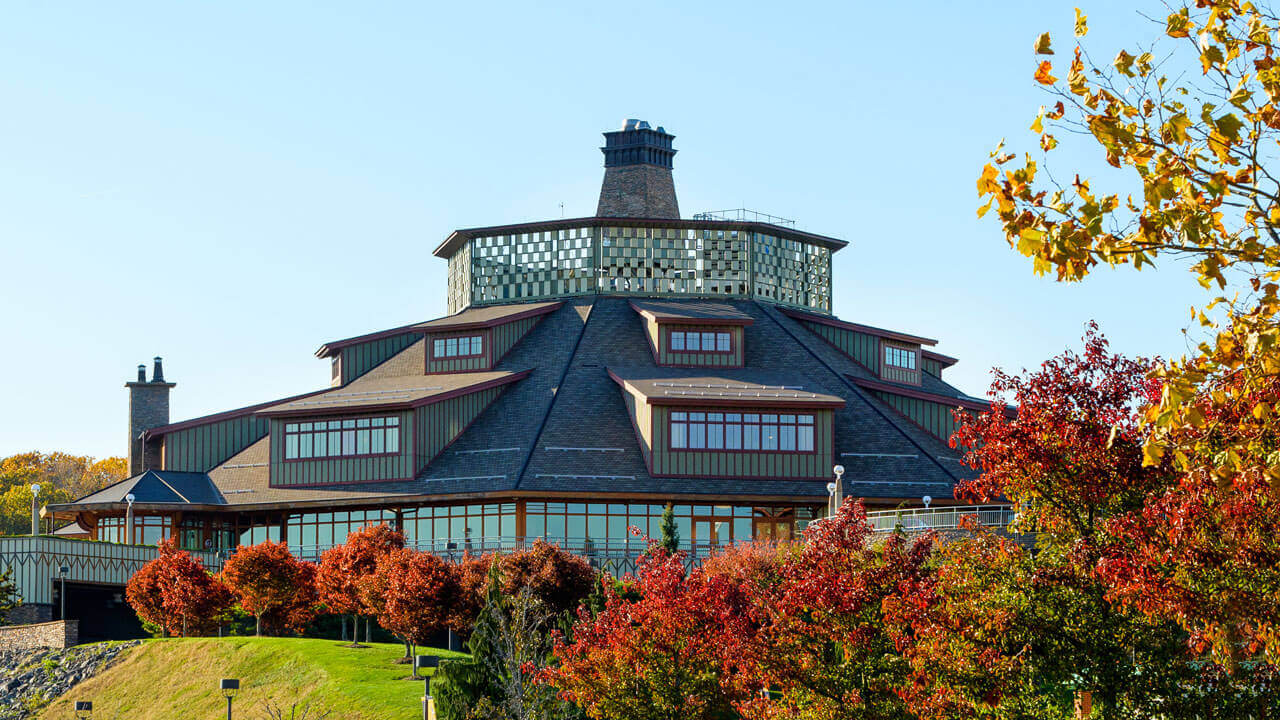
column 163, row 679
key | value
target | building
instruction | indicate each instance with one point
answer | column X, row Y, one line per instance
column 592, row 370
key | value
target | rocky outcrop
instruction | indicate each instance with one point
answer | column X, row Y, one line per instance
column 30, row 679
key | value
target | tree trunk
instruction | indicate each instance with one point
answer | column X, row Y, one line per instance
column 257, row 625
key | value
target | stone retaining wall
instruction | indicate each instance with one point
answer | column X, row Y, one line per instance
column 60, row 634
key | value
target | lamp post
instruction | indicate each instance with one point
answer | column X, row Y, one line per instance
column 62, row 595
column 420, row 662
column 927, row 499
column 128, row 518
column 84, row 709
column 838, row 497
column 831, row 498
column 229, row 687
column 35, row 509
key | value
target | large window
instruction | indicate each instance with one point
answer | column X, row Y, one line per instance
column 355, row 437
column 466, row 346
column 147, row 529
column 900, row 357
column 698, row 341
column 741, row 432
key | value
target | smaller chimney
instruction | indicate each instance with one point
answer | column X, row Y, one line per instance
column 148, row 408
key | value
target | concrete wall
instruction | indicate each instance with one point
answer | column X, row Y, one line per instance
column 60, row 634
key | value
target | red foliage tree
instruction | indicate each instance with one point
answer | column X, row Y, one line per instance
column 176, row 592
column 558, row 578
column 815, row 633
column 414, row 592
column 267, row 579
column 654, row 655
column 343, row 567
column 296, row 614
column 472, row 573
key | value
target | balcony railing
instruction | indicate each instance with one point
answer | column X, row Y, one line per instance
column 939, row 518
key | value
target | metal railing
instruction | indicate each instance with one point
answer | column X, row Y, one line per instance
column 744, row 215
column 939, row 518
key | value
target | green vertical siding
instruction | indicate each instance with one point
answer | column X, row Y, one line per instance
column 200, row 449
column 453, row 365
column 360, row 359
column 933, row 367
column 932, row 416
column 439, row 424
column 732, row 359
column 505, row 336
column 710, row 463
column 860, row 346
column 344, row 470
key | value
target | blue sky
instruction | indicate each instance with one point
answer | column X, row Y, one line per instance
column 229, row 185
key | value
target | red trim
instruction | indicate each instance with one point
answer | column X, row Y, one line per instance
column 422, row 328
column 458, row 237
column 725, row 402
column 919, row 394
column 225, row 415
column 673, row 320
column 409, row 405
column 945, row 361
column 855, row 327
column 672, row 351
column 746, row 451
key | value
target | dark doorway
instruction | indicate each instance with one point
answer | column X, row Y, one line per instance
column 102, row 610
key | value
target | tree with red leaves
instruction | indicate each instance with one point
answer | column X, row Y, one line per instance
column 177, row 593
column 413, row 592
column 472, row 573
column 559, row 579
column 817, row 636
column 654, row 656
column 343, row 567
column 1011, row 632
column 267, row 579
column 296, row 614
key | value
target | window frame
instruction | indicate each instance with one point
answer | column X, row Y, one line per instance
column 671, row 330
column 471, row 336
column 342, row 431
column 743, row 422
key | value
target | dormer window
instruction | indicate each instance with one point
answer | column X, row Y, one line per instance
column 900, row 362
column 900, row 357
column 458, row 347
column 701, row 341
column 355, row 437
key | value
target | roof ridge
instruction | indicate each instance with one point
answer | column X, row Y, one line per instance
column 768, row 310
column 551, row 406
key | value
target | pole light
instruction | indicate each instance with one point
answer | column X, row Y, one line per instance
column 831, row 499
column 84, row 709
column 229, row 688
column 927, row 499
column 839, row 494
column 35, row 509
column 62, row 596
column 419, row 663
column 128, row 518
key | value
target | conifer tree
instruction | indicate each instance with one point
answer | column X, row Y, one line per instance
column 9, row 598
column 670, row 534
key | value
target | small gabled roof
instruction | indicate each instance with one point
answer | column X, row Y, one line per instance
column 691, row 312
column 969, row 403
column 737, row 388
column 157, row 487
column 473, row 318
column 394, row 393
column 855, row 327
column 945, row 361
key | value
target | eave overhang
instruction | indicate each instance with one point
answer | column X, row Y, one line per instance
column 445, row 324
column 703, row 318
column 945, row 361
column 895, row 389
column 765, row 397
column 460, row 236
column 407, row 404
column 855, row 327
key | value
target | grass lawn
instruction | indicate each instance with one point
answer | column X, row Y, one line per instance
column 165, row 679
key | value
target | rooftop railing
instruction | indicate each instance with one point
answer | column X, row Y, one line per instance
column 939, row 518
column 744, row 215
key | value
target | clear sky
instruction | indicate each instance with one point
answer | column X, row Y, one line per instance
column 229, row 185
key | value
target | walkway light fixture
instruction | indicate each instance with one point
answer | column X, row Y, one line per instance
column 927, row 499
column 229, row 687
column 421, row 662
column 84, row 709
column 838, row 497
column 831, row 498
column 62, row 594
column 35, row 509
column 128, row 518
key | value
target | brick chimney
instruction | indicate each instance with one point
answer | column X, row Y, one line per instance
column 148, row 408
column 637, row 173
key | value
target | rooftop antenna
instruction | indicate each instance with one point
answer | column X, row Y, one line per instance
column 562, row 210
